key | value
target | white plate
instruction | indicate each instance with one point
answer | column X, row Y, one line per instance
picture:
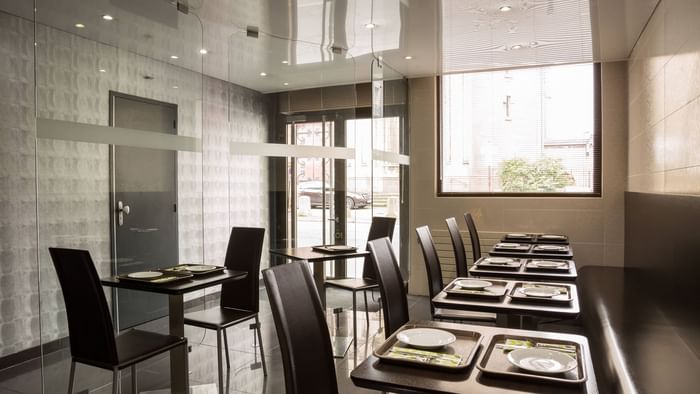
column 546, row 292
column 551, row 247
column 547, row 264
column 145, row 275
column 507, row 245
column 201, row 268
column 426, row 338
column 552, row 236
column 542, row 360
column 473, row 284
column 498, row 260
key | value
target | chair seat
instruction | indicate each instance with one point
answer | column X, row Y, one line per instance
column 352, row 284
column 464, row 315
column 217, row 318
column 135, row 346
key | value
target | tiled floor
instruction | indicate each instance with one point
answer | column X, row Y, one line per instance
column 246, row 374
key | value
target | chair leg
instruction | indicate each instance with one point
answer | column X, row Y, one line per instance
column 116, row 381
column 221, row 363
column 134, row 380
column 262, row 353
column 228, row 362
column 364, row 292
column 354, row 319
column 71, row 379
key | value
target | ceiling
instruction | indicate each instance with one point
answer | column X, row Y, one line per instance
column 326, row 42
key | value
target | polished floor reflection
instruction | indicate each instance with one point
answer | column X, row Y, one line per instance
column 246, row 374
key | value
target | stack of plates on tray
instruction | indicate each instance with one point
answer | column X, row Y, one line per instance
column 540, row 291
column 201, row 268
column 551, row 247
column 554, row 237
column 507, row 245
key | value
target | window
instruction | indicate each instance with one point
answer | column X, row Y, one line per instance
column 529, row 131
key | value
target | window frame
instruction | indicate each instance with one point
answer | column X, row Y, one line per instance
column 597, row 153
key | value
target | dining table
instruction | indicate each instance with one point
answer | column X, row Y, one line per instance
column 376, row 374
column 511, row 303
column 175, row 291
column 525, row 269
column 528, row 250
column 317, row 258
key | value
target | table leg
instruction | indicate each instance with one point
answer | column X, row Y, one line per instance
column 179, row 375
column 320, row 279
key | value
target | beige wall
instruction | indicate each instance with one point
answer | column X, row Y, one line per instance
column 664, row 102
column 595, row 225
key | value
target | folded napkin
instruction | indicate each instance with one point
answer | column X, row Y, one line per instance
column 424, row 356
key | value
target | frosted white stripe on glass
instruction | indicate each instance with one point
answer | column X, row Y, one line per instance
column 82, row 132
column 390, row 157
column 285, row 150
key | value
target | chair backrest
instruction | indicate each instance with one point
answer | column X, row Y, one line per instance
column 391, row 285
column 89, row 322
column 458, row 247
column 474, row 236
column 381, row 227
column 302, row 331
column 243, row 254
column 432, row 261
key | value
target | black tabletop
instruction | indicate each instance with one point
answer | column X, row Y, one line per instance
column 377, row 375
column 523, row 273
column 176, row 288
column 506, row 304
column 531, row 253
column 310, row 255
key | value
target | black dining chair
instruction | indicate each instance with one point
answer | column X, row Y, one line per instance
column 239, row 299
column 473, row 236
column 391, row 285
column 92, row 338
column 305, row 344
column 435, row 283
column 461, row 265
column 381, row 227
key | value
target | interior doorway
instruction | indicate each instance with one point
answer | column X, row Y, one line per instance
column 144, row 232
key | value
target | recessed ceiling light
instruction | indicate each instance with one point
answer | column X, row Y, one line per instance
column 79, row 25
column 409, row 57
column 286, row 84
column 107, row 17
column 505, row 8
column 370, row 26
column 102, row 70
column 516, row 46
column 285, row 61
column 534, row 44
column 175, row 87
column 203, row 51
column 263, row 74
column 174, row 57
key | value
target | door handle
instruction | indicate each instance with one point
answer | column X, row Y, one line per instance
column 121, row 211
column 336, row 220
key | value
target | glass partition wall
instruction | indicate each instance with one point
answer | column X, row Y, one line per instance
column 123, row 142
column 119, row 95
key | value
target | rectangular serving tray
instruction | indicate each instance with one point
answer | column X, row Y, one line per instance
column 496, row 291
column 332, row 250
column 168, row 277
column 183, row 268
column 543, row 238
column 467, row 345
column 516, row 295
column 494, row 362
column 563, row 268
column 513, row 266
